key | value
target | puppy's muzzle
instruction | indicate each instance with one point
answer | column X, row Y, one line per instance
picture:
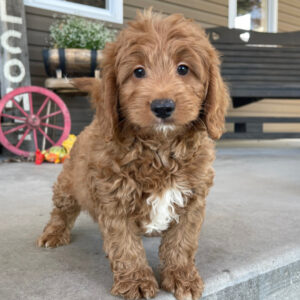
column 162, row 108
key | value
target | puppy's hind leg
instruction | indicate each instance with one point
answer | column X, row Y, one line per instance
column 66, row 209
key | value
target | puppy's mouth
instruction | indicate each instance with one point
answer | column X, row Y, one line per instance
column 165, row 128
column 164, row 125
column 164, row 121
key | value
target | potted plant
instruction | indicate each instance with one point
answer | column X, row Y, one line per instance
column 76, row 45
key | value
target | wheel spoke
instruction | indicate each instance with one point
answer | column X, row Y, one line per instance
column 35, row 139
column 46, row 136
column 19, row 107
column 53, row 126
column 51, row 115
column 12, row 117
column 22, row 138
column 42, row 106
column 48, row 110
column 14, row 129
column 30, row 103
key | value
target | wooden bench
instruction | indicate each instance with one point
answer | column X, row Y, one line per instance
column 258, row 66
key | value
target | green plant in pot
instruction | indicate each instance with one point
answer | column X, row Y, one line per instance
column 76, row 45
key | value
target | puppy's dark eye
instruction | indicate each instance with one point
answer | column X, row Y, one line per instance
column 182, row 70
column 139, row 72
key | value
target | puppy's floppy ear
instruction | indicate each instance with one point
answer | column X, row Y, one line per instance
column 107, row 111
column 216, row 101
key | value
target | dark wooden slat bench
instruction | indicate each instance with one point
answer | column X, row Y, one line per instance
column 258, row 66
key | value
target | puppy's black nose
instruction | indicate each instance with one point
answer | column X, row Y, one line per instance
column 163, row 108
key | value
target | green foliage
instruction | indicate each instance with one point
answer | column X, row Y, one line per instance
column 76, row 32
column 246, row 6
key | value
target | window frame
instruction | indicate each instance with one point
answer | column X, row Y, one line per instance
column 272, row 14
column 113, row 13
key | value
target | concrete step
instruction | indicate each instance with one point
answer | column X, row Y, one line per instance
column 268, row 280
column 249, row 247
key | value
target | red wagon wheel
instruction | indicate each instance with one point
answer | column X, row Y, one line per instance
column 34, row 122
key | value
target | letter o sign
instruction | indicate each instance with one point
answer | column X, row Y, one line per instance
column 14, row 62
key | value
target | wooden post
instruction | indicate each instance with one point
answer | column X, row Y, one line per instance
column 14, row 62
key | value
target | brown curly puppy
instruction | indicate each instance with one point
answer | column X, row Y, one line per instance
column 144, row 165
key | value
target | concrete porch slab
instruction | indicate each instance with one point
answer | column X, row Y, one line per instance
column 249, row 247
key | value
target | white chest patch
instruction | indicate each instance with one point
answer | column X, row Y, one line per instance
column 163, row 209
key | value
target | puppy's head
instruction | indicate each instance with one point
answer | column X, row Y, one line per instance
column 162, row 73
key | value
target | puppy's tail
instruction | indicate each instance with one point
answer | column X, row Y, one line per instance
column 89, row 85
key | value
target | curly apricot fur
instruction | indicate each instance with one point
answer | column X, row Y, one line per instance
column 122, row 158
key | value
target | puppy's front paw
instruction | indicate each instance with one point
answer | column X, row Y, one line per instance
column 184, row 282
column 53, row 237
column 135, row 285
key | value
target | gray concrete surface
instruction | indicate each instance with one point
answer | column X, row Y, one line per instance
column 249, row 247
